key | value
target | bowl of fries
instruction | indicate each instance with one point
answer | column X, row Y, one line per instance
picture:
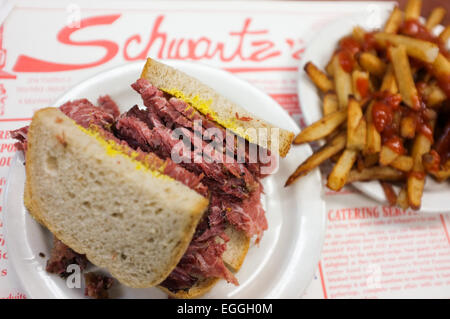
column 377, row 98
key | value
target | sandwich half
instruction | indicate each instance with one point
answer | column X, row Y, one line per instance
column 124, row 215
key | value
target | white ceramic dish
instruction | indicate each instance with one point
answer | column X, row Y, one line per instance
column 283, row 264
column 319, row 51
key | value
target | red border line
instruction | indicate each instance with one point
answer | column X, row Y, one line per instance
column 323, row 281
column 445, row 228
column 16, row 120
column 262, row 69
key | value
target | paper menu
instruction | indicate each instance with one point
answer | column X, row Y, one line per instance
column 375, row 251
column 48, row 47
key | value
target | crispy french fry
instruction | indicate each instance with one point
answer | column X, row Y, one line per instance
column 446, row 165
column 441, row 175
column 433, row 95
column 373, row 145
column 431, row 161
column 395, row 20
column 328, row 150
column 416, row 179
column 384, row 173
column 441, row 66
column 321, row 128
column 435, row 17
column 356, row 126
column 445, row 34
column 361, row 84
column 342, row 82
column 358, row 34
column 389, row 83
column 404, row 76
column 387, row 155
column 319, row 78
column 402, row 199
column 402, row 163
column 408, row 127
column 338, row 176
column 419, row 49
column 329, row 68
column 412, row 10
column 330, row 103
column 415, row 185
column 389, row 193
column 371, row 63
column 373, row 139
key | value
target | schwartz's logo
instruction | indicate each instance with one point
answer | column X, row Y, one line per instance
column 258, row 46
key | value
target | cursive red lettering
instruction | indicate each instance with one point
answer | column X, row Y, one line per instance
column 29, row 64
column 265, row 46
column 154, row 36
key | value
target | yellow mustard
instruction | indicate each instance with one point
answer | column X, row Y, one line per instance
column 113, row 149
column 204, row 107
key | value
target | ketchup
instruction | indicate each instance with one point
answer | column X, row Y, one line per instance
column 348, row 47
column 383, row 109
column 346, row 61
column 362, row 86
column 395, row 143
column 413, row 28
column 418, row 175
column 369, row 41
column 382, row 115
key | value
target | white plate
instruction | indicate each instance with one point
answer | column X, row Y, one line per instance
column 319, row 51
column 286, row 259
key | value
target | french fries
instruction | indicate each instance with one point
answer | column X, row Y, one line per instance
column 389, row 192
column 321, row 128
column 394, row 21
column 445, row 34
column 336, row 145
column 419, row 49
column 434, row 95
column 319, row 78
column 389, row 83
column 408, row 127
column 356, row 126
column 383, row 95
column 402, row 199
column 416, row 180
column 342, row 82
column 435, row 18
column 330, row 103
column 383, row 173
column 341, row 170
column 412, row 10
column 372, row 64
column 404, row 76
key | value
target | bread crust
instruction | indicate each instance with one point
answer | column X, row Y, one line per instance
column 240, row 244
column 166, row 77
